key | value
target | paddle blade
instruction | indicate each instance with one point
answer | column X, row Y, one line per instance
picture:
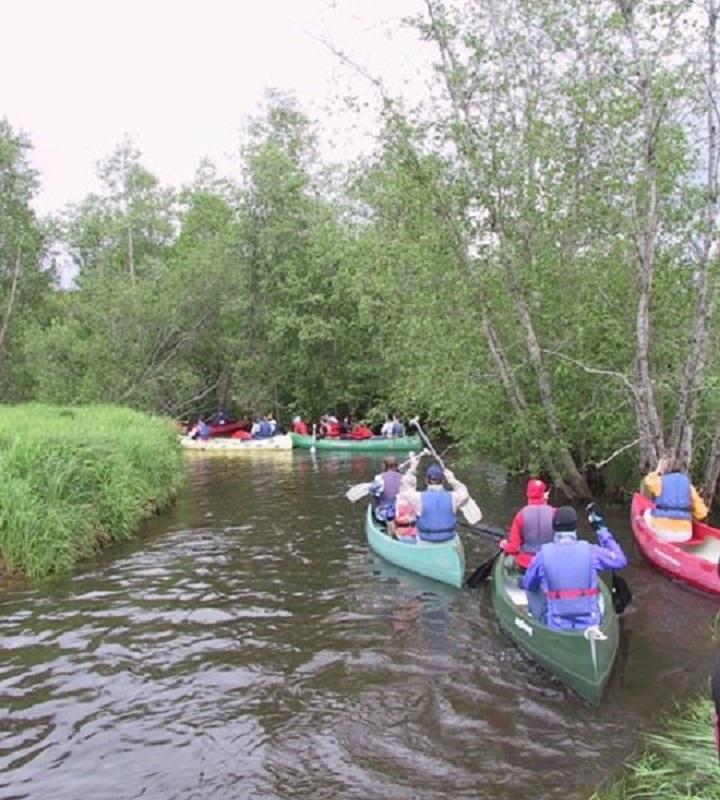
column 621, row 594
column 357, row 492
column 471, row 511
column 482, row 572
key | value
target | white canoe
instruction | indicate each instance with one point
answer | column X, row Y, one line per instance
column 228, row 445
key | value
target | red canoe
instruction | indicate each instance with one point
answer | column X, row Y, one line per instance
column 694, row 562
column 228, row 428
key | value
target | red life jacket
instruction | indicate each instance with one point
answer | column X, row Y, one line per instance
column 241, row 435
column 361, row 432
column 300, row 427
column 333, row 429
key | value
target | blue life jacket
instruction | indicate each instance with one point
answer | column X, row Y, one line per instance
column 398, row 429
column 437, row 521
column 391, row 485
column 675, row 499
column 264, row 430
column 537, row 527
column 203, row 430
column 569, row 575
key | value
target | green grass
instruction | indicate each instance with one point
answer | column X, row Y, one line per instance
column 679, row 763
column 74, row 479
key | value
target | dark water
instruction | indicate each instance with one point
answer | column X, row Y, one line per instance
column 249, row 646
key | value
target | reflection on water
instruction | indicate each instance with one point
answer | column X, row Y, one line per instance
column 250, row 646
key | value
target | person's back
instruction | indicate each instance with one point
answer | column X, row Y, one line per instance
column 387, row 428
column 361, row 431
column 436, row 522
column 567, row 571
column 300, row 426
column 398, row 429
column 677, row 502
column 436, row 507
column 203, row 430
column 385, row 488
column 532, row 526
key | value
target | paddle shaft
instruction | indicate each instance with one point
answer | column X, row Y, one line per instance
column 484, row 530
column 428, row 443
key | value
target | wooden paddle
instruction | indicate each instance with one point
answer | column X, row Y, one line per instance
column 360, row 490
column 470, row 509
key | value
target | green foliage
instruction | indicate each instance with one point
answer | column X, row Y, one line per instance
column 680, row 763
column 77, row 478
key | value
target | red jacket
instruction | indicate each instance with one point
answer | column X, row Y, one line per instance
column 300, row 427
column 515, row 539
column 361, row 432
column 332, row 429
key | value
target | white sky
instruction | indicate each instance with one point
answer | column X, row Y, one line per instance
column 180, row 75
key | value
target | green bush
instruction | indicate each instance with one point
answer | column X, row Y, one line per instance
column 74, row 479
column 680, row 763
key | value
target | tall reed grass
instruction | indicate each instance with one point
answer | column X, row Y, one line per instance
column 74, row 479
column 679, row 763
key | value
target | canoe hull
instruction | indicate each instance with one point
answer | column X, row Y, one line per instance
column 377, row 443
column 226, row 445
column 581, row 664
column 443, row 561
column 680, row 563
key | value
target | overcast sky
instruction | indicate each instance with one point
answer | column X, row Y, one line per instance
column 180, row 75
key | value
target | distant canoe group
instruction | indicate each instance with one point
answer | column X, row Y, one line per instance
column 224, row 434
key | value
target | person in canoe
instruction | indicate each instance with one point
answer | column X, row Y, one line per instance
column 360, row 431
column 436, row 507
column 398, row 429
column 677, row 502
column 261, row 428
column 387, row 427
column 201, row 430
column 567, row 571
column 329, row 427
column 532, row 526
column 384, row 490
column 299, row 426
column 220, row 417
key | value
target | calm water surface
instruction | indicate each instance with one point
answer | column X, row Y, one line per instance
column 249, row 646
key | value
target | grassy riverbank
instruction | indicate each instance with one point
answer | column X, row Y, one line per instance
column 75, row 479
column 680, row 763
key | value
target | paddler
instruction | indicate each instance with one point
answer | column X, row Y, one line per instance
column 384, row 489
column 567, row 571
column 532, row 526
column 435, row 508
column 677, row 502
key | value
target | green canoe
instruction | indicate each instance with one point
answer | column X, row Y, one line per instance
column 582, row 660
column 379, row 443
column 441, row 561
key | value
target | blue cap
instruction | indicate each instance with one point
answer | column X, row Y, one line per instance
column 435, row 473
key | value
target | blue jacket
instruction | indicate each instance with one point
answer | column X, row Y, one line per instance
column 436, row 523
column 675, row 499
column 583, row 561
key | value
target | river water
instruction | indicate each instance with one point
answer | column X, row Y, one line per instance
column 249, row 646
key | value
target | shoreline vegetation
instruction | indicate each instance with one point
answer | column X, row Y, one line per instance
column 679, row 762
column 76, row 479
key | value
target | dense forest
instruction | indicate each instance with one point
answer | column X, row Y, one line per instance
column 528, row 259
